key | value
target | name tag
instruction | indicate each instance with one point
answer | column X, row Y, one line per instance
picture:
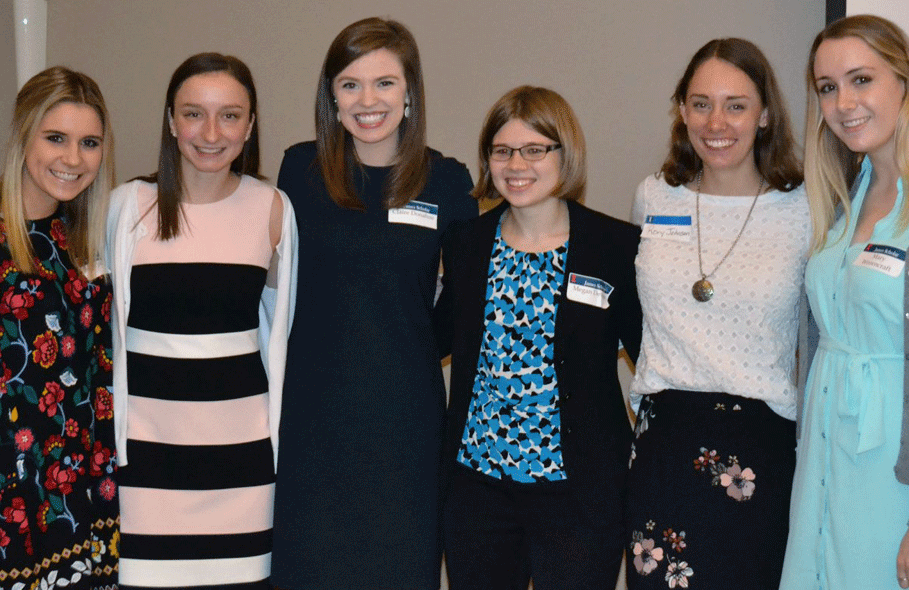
column 885, row 259
column 667, row 227
column 589, row 290
column 416, row 213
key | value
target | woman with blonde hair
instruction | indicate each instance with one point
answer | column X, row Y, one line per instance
column 58, row 500
column 848, row 516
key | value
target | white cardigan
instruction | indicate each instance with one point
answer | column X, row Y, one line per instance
column 276, row 307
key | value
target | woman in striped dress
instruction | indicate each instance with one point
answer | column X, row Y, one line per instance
column 203, row 261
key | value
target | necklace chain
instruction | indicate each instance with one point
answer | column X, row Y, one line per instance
column 697, row 205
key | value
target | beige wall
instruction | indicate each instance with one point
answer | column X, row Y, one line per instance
column 8, row 86
column 616, row 61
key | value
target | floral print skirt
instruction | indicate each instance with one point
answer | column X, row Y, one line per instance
column 708, row 495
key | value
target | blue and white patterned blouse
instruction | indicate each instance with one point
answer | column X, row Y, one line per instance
column 512, row 429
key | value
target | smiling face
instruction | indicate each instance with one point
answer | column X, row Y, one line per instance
column 62, row 158
column 859, row 94
column 723, row 112
column 211, row 121
column 370, row 96
column 524, row 183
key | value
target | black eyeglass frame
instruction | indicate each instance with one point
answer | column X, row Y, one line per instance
column 521, row 150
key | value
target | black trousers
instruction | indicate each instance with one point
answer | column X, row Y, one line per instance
column 499, row 536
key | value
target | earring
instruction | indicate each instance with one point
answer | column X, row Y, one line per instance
column 406, row 108
column 337, row 112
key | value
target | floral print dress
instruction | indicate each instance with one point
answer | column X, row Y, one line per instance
column 58, row 498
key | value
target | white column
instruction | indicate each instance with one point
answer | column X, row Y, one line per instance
column 31, row 38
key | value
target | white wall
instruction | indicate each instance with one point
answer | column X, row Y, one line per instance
column 895, row 10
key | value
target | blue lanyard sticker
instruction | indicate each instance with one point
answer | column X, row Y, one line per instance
column 885, row 259
column 667, row 227
column 416, row 213
column 589, row 290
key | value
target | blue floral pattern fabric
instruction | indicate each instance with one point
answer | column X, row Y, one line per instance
column 512, row 429
column 58, row 498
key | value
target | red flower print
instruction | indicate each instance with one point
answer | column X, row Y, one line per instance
column 53, row 395
column 86, row 439
column 16, row 513
column 85, row 315
column 105, row 307
column 16, row 304
column 75, row 286
column 72, row 428
column 58, row 233
column 67, row 346
column 6, row 267
column 24, row 439
column 107, row 488
column 5, row 377
column 46, row 348
column 60, row 478
column 45, row 272
column 104, row 359
column 42, row 515
column 104, row 404
column 100, row 459
column 4, row 538
column 54, row 441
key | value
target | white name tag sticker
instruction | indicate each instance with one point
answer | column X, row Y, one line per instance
column 667, row 227
column 589, row 290
column 416, row 213
column 885, row 259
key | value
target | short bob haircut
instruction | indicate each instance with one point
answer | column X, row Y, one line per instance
column 85, row 215
column 336, row 152
column 830, row 166
column 547, row 113
column 774, row 148
column 169, row 175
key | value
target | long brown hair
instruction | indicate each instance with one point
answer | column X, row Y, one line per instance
column 336, row 152
column 169, row 176
column 85, row 215
column 774, row 148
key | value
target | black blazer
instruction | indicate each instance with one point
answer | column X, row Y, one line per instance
column 595, row 430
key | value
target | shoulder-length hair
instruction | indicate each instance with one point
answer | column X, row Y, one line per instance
column 336, row 153
column 85, row 215
column 169, row 176
column 774, row 148
column 830, row 166
column 550, row 115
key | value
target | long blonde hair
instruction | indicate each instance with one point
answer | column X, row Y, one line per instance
column 84, row 215
column 830, row 166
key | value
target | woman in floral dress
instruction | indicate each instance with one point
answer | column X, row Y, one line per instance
column 58, row 504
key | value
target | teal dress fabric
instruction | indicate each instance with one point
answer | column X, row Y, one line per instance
column 848, row 512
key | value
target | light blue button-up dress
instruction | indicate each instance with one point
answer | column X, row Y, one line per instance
column 848, row 512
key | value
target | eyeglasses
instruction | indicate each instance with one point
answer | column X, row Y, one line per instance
column 531, row 153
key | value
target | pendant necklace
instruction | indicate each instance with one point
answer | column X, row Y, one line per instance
column 702, row 290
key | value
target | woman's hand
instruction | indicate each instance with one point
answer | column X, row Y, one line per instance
column 902, row 562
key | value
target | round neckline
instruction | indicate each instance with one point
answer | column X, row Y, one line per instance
column 224, row 200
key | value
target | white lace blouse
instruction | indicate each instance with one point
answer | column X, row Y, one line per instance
column 743, row 340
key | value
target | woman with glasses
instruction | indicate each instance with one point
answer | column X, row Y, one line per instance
column 725, row 235
column 538, row 293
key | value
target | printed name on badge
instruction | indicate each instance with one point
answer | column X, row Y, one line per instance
column 416, row 213
column 667, row 227
column 589, row 290
column 885, row 259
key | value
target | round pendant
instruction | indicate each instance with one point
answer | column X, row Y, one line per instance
column 702, row 290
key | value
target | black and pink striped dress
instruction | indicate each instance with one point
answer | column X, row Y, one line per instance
column 197, row 494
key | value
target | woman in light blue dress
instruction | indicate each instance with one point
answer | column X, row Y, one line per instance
column 848, row 521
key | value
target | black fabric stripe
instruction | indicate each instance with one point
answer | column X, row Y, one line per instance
column 194, row 546
column 216, row 379
column 195, row 298
column 261, row 585
column 203, row 467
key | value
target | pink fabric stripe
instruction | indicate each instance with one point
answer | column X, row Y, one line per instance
column 148, row 511
column 223, row 422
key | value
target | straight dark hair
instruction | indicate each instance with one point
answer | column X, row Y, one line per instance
column 774, row 148
column 336, row 152
column 169, row 176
